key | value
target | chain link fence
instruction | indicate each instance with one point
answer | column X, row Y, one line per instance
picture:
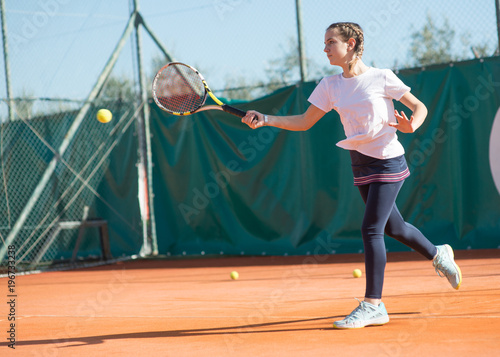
column 47, row 190
column 57, row 48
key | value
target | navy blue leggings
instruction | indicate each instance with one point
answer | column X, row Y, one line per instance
column 382, row 216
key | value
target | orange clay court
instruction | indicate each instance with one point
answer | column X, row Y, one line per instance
column 279, row 306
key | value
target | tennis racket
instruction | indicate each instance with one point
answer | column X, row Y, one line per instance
column 180, row 89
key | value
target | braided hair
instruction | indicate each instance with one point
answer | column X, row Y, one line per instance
column 347, row 30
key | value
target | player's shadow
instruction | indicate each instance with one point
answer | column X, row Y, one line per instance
column 239, row 330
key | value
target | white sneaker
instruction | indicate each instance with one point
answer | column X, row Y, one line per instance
column 444, row 263
column 365, row 314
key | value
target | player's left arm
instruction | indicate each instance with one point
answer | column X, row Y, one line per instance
column 419, row 113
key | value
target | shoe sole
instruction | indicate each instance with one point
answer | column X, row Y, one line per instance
column 450, row 251
column 381, row 322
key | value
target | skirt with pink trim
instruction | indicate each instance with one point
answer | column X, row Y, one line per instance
column 368, row 169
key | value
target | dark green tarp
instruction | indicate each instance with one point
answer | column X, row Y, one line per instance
column 222, row 188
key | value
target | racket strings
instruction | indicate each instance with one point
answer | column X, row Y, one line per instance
column 179, row 89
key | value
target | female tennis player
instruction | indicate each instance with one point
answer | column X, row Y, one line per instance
column 363, row 97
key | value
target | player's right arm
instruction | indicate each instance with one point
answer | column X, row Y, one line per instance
column 288, row 122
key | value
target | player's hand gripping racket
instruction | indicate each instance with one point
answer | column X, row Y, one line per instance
column 180, row 89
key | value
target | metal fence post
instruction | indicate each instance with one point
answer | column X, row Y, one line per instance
column 497, row 6
column 302, row 56
column 150, row 245
column 6, row 61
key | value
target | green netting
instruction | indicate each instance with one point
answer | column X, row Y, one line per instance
column 97, row 170
column 221, row 188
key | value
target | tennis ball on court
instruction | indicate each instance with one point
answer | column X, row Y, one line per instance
column 235, row 275
column 104, row 115
column 356, row 273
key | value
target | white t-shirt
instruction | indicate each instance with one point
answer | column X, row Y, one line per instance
column 365, row 106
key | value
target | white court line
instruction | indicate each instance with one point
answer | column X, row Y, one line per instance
column 246, row 316
column 172, row 317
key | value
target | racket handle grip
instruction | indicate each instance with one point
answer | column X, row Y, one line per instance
column 232, row 110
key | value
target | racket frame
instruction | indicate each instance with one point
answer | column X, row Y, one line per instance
column 208, row 92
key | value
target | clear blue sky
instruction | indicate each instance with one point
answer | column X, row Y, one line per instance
column 58, row 47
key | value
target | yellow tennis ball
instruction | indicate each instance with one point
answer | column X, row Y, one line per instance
column 235, row 275
column 104, row 115
column 356, row 273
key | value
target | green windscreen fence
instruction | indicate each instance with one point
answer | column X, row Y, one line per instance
column 222, row 188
